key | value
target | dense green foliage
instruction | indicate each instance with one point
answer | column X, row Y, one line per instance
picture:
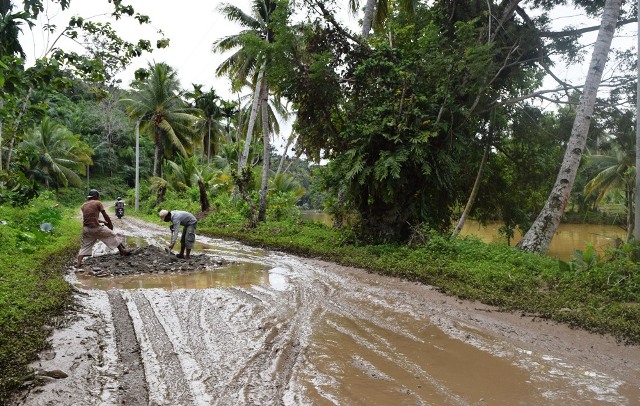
column 33, row 293
column 404, row 117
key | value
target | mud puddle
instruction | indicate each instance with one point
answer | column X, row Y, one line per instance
column 243, row 275
column 150, row 266
column 308, row 332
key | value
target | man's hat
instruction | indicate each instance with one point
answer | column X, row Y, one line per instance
column 163, row 213
column 92, row 193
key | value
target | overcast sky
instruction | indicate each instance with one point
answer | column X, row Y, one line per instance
column 191, row 25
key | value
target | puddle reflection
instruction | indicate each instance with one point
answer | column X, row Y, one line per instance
column 237, row 274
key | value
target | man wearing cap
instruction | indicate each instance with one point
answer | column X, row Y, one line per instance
column 93, row 229
column 189, row 222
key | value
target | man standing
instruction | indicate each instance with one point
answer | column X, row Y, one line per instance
column 189, row 222
column 93, row 229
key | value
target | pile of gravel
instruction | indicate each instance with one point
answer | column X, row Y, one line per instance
column 148, row 260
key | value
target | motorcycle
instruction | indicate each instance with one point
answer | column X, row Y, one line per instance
column 120, row 212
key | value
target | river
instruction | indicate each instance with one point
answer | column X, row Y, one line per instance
column 568, row 237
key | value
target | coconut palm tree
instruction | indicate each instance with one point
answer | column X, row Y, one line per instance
column 211, row 126
column 55, row 155
column 165, row 116
column 616, row 172
column 249, row 63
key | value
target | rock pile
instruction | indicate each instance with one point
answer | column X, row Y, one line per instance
column 148, row 260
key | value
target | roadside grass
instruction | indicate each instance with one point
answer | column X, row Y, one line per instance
column 33, row 292
column 601, row 297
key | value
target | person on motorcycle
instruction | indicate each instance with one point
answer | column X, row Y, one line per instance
column 119, row 207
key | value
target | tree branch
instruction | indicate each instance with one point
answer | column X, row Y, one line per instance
column 331, row 19
column 580, row 31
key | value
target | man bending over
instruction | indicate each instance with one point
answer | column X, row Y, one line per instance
column 189, row 222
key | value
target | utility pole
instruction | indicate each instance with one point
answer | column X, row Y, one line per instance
column 138, row 163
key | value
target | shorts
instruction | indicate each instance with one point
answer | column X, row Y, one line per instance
column 91, row 235
column 188, row 238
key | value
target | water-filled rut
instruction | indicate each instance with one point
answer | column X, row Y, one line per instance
column 280, row 329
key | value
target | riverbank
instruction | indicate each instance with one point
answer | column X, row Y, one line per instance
column 33, row 293
column 598, row 295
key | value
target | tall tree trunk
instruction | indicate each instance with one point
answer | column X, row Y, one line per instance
column 636, row 219
column 137, row 191
column 204, row 200
column 292, row 161
column 209, row 141
column 155, row 161
column 158, row 154
column 539, row 236
column 284, row 155
column 241, row 182
column 242, row 161
column 367, row 20
column 338, row 214
column 266, row 155
column 162, row 190
column 629, row 204
column 474, row 193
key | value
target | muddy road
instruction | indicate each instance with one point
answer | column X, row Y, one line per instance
column 243, row 326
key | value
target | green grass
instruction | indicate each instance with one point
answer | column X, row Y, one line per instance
column 601, row 299
column 33, row 292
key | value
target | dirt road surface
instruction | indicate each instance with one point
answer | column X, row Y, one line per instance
column 267, row 328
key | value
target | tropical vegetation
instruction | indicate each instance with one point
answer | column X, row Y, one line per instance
column 434, row 112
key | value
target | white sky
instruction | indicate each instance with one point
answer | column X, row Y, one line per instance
column 191, row 25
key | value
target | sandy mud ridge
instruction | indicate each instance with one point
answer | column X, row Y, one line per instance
column 148, row 260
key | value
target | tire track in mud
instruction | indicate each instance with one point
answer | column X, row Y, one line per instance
column 133, row 386
column 172, row 386
column 263, row 376
column 378, row 335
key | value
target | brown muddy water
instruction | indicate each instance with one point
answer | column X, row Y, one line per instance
column 274, row 329
column 242, row 274
column 568, row 237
